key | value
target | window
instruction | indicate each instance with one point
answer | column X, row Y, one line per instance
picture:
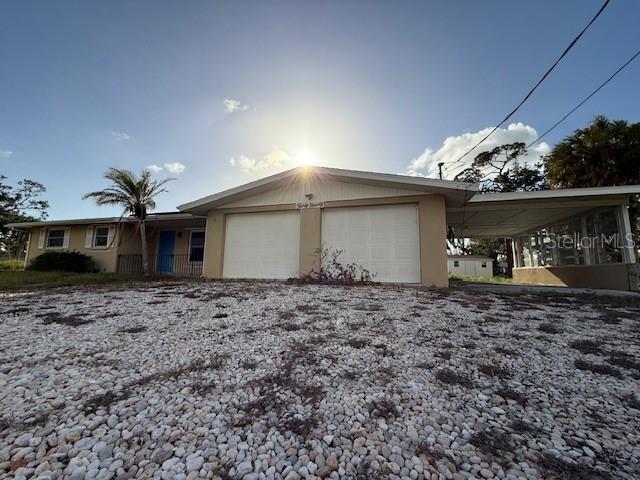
column 55, row 239
column 484, row 264
column 101, row 237
column 196, row 248
column 456, row 263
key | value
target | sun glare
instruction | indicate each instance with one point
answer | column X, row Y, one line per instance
column 304, row 158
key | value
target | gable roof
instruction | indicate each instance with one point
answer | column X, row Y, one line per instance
column 459, row 190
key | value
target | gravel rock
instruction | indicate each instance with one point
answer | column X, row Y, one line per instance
column 253, row 381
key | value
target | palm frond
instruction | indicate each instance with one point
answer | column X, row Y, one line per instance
column 134, row 193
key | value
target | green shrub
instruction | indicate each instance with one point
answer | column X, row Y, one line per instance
column 63, row 262
column 11, row 265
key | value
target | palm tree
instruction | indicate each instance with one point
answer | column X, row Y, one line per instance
column 136, row 194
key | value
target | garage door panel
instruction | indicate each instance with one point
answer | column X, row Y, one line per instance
column 383, row 239
column 262, row 245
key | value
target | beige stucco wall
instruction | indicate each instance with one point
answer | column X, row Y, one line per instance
column 214, row 244
column 433, row 241
column 614, row 276
column 105, row 258
column 432, row 225
column 322, row 189
column 310, row 241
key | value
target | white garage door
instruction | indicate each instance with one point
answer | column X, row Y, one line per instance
column 383, row 239
column 262, row 245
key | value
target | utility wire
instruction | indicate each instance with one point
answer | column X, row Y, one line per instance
column 585, row 99
column 546, row 74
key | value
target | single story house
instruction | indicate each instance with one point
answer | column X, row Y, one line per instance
column 470, row 265
column 394, row 225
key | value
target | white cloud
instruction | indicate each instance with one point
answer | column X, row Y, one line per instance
column 452, row 148
column 154, row 168
column 175, row 167
column 121, row 136
column 272, row 160
column 5, row 153
column 231, row 105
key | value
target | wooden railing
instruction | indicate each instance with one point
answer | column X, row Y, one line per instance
column 169, row 264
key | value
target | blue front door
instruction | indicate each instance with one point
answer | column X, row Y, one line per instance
column 165, row 251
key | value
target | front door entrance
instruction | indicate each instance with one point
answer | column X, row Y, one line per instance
column 166, row 241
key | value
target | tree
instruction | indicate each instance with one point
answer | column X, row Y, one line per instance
column 604, row 153
column 136, row 194
column 498, row 170
column 20, row 203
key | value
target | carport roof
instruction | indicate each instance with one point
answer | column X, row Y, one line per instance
column 511, row 213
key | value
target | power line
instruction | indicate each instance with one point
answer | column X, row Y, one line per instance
column 582, row 102
column 611, row 77
column 546, row 74
column 585, row 99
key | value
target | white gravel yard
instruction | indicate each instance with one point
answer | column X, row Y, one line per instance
column 263, row 381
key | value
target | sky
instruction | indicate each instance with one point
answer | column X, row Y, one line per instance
column 215, row 94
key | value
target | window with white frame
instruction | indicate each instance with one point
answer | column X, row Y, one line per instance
column 55, row 238
column 196, row 247
column 101, row 237
column 484, row 264
column 456, row 263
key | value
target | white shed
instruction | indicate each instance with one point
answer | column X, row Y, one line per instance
column 470, row 265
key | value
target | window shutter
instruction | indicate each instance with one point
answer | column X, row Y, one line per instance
column 112, row 232
column 65, row 242
column 41, row 239
column 88, row 239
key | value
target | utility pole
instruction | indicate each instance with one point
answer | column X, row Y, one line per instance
column 440, row 169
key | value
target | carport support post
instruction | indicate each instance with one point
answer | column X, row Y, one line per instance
column 213, row 245
column 433, row 241
column 624, row 231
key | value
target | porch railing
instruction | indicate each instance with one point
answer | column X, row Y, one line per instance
column 169, row 264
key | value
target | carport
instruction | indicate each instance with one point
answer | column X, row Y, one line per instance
column 573, row 237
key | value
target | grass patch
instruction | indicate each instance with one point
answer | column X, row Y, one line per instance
column 29, row 279
column 493, row 442
column 137, row 329
column 599, row 368
column 105, row 400
column 624, row 361
column 481, row 279
column 11, row 265
column 357, row 342
column 383, row 407
column 290, row 327
column 520, row 426
column 431, row 453
column 444, row 354
column 494, row 370
column 451, row 377
column 550, row 328
column 506, row 351
column 587, row 346
column 509, row 394
column 556, row 468
column 630, row 400
column 69, row 320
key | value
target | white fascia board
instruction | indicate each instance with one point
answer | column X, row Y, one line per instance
column 82, row 221
column 556, row 194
